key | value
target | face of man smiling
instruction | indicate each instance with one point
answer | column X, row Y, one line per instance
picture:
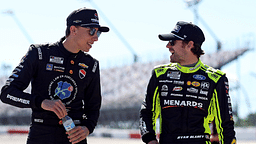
column 178, row 52
column 83, row 40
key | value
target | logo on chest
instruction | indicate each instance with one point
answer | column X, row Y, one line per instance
column 63, row 87
column 58, row 60
column 174, row 74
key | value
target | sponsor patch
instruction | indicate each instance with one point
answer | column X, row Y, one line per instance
column 165, row 81
column 203, row 92
column 77, row 21
column 164, row 88
column 19, row 100
column 15, row 75
column 58, row 68
column 58, row 60
column 63, row 90
column 174, row 74
column 205, row 85
column 39, row 120
column 9, row 80
column 179, row 95
column 195, row 84
column 40, row 55
column 214, row 76
column 49, row 67
column 164, row 93
column 182, row 103
column 63, row 87
column 177, row 88
column 83, row 65
column 192, row 96
column 17, row 69
column 177, row 28
column 192, row 90
column 82, row 73
column 199, row 77
column 178, row 82
column 94, row 67
column 203, row 98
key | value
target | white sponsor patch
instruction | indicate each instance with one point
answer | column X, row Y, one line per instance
column 205, row 85
column 58, row 60
column 192, row 90
column 20, row 100
column 94, row 67
column 183, row 103
column 164, row 88
column 39, row 120
column 164, row 93
column 179, row 95
column 174, row 74
column 204, row 92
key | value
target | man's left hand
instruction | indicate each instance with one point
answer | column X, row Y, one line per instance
column 78, row 134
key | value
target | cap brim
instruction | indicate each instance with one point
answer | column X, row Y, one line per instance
column 101, row 28
column 167, row 37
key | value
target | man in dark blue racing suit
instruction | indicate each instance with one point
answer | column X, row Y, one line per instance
column 187, row 94
column 65, row 81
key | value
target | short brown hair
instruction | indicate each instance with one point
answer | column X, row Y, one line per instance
column 197, row 50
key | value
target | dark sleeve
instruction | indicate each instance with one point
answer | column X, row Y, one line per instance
column 147, row 111
column 12, row 92
column 224, row 118
column 93, row 104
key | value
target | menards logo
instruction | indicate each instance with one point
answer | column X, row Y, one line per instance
column 182, row 103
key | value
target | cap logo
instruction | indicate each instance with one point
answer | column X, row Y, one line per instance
column 96, row 16
column 95, row 20
column 77, row 21
column 177, row 28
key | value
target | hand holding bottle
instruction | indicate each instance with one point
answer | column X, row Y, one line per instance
column 77, row 134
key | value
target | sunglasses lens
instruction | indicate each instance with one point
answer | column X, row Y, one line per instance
column 98, row 33
column 92, row 31
column 172, row 42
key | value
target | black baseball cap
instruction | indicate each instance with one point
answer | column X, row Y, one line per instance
column 184, row 31
column 85, row 17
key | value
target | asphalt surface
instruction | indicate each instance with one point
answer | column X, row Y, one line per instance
column 21, row 139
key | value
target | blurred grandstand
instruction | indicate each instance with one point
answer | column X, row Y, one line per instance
column 123, row 90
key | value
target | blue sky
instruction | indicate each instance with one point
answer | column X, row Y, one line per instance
column 139, row 22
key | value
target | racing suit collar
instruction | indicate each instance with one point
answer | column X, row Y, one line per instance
column 185, row 69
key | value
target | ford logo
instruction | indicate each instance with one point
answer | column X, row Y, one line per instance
column 199, row 77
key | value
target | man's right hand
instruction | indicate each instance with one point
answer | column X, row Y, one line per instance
column 153, row 142
column 55, row 106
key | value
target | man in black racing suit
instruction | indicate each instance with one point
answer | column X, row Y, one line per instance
column 187, row 95
column 64, row 79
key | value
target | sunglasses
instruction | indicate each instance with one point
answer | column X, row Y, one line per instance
column 172, row 42
column 93, row 31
